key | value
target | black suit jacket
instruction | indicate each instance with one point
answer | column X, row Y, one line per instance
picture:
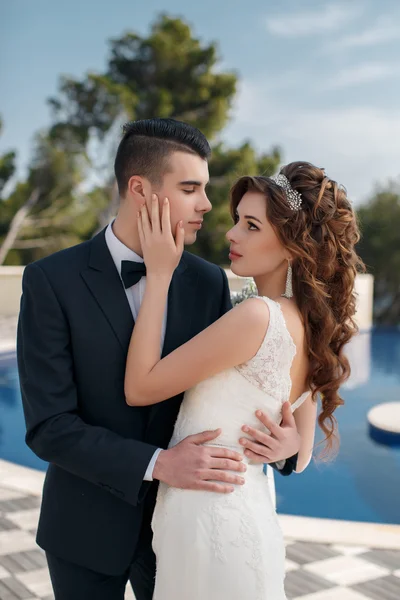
column 73, row 336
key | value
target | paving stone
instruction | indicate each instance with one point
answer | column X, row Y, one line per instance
column 38, row 557
column 350, row 550
column 23, row 503
column 384, row 588
column 3, row 573
column 304, row 552
column 346, row 570
column 25, row 519
column 38, row 582
column 12, row 589
column 314, row 571
column 338, row 593
column 23, row 561
column 16, row 540
column 5, row 524
column 385, row 558
column 300, row 582
column 6, row 494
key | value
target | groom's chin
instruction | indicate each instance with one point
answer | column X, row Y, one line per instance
column 190, row 238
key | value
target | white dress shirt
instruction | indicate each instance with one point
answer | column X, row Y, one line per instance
column 134, row 294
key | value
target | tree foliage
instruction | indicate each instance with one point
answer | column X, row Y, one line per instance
column 169, row 73
column 380, row 250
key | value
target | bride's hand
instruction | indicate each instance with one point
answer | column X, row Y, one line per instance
column 161, row 252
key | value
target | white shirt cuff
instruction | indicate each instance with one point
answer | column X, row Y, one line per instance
column 148, row 476
column 280, row 464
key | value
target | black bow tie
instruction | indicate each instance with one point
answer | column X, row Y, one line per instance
column 132, row 272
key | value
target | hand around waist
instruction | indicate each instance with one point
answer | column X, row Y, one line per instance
column 195, row 466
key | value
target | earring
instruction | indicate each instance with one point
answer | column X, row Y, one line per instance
column 289, row 286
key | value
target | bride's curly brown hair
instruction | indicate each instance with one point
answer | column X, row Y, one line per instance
column 321, row 238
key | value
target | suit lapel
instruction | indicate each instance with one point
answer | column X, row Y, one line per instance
column 105, row 284
column 181, row 309
column 181, row 296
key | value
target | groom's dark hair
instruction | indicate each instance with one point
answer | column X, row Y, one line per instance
column 147, row 144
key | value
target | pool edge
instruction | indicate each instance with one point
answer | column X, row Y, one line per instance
column 306, row 529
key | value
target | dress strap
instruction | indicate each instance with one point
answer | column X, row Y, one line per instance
column 300, row 400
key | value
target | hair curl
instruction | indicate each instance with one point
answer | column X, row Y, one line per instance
column 321, row 237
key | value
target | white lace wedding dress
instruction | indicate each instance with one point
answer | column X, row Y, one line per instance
column 212, row 546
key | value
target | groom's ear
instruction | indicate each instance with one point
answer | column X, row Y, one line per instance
column 139, row 189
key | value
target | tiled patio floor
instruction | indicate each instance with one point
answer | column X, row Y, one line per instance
column 314, row 571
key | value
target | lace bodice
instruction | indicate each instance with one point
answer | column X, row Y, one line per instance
column 230, row 398
column 269, row 369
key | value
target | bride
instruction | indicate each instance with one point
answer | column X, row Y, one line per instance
column 295, row 235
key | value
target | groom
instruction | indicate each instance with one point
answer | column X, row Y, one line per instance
column 77, row 313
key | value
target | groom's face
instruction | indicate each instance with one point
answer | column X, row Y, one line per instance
column 184, row 184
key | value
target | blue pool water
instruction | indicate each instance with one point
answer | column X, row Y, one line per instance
column 362, row 484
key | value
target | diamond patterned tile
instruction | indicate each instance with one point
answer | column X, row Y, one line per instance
column 304, row 552
column 337, row 593
column 3, row 573
column 25, row 519
column 313, row 571
column 38, row 582
column 384, row 558
column 350, row 550
column 12, row 589
column 23, row 503
column 290, row 565
column 346, row 570
column 300, row 582
column 384, row 588
column 6, row 524
column 6, row 494
column 15, row 540
column 23, row 561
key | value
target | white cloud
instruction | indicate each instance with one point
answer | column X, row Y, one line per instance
column 327, row 18
column 358, row 146
column 380, row 33
column 363, row 73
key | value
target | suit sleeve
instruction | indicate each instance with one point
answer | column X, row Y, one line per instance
column 55, row 431
column 289, row 464
column 226, row 303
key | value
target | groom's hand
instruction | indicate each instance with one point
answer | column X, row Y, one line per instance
column 281, row 443
column 191, row 465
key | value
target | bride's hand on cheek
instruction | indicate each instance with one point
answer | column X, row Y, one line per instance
column 161, row 252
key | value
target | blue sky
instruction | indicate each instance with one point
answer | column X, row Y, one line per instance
column 319, row 78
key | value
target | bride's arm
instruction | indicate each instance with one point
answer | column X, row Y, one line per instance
column 305, row 417
column 230, row 341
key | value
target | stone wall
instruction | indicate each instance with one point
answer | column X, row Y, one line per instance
column 11, row 277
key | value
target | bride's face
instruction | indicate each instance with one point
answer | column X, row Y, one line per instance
column 255, row 249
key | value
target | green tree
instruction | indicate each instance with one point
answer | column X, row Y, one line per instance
column 7, row 165
column 36, row 218
column 170, row 73
column 380, row 249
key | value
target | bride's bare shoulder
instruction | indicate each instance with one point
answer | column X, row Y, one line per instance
column 249, row 318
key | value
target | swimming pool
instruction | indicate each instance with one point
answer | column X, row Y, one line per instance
column 362, row 484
